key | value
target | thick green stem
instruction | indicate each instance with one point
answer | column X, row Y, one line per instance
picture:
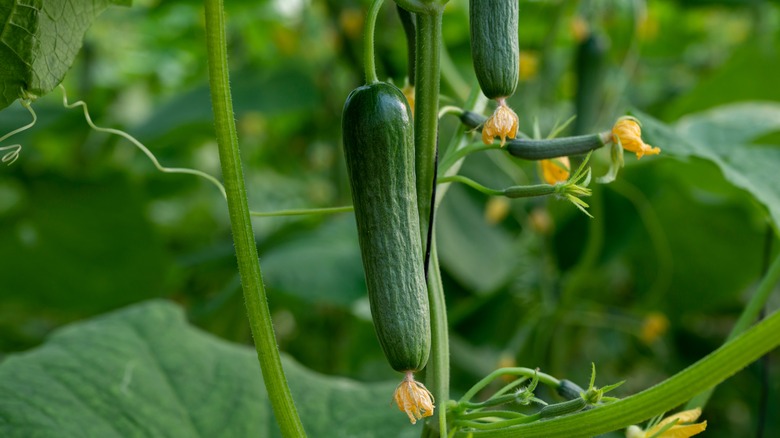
column 408, row 22
column 368, row 48
column 746, row 319
column 426, row 108
column 706, row 373
column 439, row 364
column 241, row 225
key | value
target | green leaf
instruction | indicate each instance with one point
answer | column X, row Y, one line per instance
column 736, row 80
column 322, row 265
column 77, row 247
column 39, row 41
column 725, row 136
column 480, row 256
column 143, row 371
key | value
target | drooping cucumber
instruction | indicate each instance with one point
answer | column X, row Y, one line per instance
column 494, row 45
column 379, row 148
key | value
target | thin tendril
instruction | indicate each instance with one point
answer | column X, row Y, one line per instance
column 302, row 212
column 15, row 149
column 138, row 144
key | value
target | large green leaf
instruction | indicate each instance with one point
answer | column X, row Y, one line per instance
column 39, row 40
column 725, row 136
column 322, row 265
column 143, row 371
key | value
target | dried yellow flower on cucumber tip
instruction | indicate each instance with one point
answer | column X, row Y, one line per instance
column 503, row 123
column 413, row 398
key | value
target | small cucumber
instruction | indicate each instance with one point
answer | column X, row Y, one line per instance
column 532, row 149
column 379, row 149
column 494, row 46
column 563, row 408
column 569, row 390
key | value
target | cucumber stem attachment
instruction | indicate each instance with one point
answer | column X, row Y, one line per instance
column 368, row 48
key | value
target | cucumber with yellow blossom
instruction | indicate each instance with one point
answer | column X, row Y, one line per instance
column 379, row 149
column 496, row 55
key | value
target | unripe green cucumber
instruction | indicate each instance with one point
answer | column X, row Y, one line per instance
column 531, row 149
column 569, row 390
column 379, row 148
column 494, row 46
column 563, row 408
column 591, row 64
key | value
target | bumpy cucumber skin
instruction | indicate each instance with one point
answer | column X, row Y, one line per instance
column 494, row 46
column 379, row 148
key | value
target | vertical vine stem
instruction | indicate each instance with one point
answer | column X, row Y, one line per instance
column 426, row 104
column 427, row 76
column 439, row 364
column 241, row 225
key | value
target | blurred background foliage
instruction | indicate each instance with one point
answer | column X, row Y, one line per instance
column 650, row 285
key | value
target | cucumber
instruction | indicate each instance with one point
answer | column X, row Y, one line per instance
column 379, row 149
column 563, row 408
column 532, row 149
column 591, row 69
column 494, row 46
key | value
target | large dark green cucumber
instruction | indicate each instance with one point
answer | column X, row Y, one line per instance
column 494, row 46
column 379, row 148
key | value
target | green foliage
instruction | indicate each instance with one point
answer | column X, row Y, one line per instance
column 726, row 136
column 145, row 371
column 40, row 40
column 84, row 236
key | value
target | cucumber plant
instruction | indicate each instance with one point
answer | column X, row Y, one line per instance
column 388, row 155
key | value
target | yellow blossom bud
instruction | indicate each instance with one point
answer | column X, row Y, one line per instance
column 496, row 210
column 529, row 65
column 579, row 28
column 503, row 123
column 507, row 361
column 628, row 133
column 540, row 221
column 408, row 91
column 413, row 398
column 679, row 430
column 555, row 170
column 653, row 327
column 351, row 21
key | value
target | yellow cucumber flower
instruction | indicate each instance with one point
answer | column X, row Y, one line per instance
column 555, row 170
column 628, row 133
column 679, row 430
column 413, row 398
column 503, row 123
